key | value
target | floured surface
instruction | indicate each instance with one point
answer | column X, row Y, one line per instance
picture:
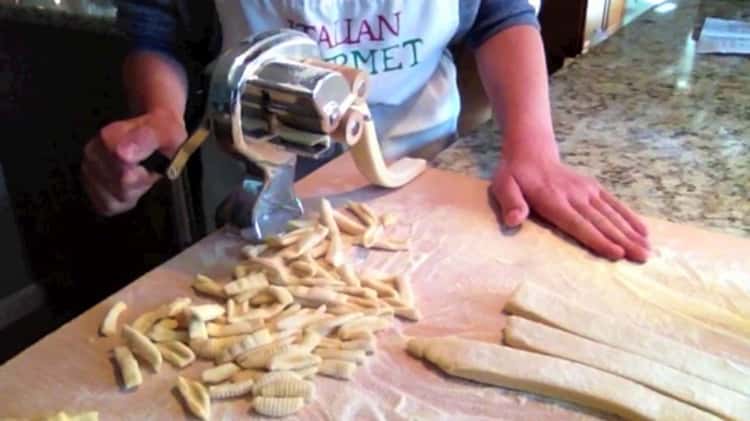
column 464, row 270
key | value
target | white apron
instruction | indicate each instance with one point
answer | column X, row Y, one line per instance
column 401, row 43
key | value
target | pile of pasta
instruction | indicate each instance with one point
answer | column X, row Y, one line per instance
column 295, row 308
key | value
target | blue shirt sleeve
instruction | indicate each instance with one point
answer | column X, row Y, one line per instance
column 149, row 24
column 494, row 16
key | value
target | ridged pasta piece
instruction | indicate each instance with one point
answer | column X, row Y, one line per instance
column 277, row 407
column 254, row 340
column 276, row 376
column 289, row 388
column 230, row 390
column 261, row 356
column 195, row 396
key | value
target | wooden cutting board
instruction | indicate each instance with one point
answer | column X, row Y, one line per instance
column 465, row 266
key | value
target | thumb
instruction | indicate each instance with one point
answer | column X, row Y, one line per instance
column 137, row 144
column 512, row 204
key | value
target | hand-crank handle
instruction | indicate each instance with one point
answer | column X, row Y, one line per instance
column 172, row 168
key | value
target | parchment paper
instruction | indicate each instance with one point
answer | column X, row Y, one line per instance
column 464, row 268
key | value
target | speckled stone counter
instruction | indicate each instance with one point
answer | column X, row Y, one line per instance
column 665, row 129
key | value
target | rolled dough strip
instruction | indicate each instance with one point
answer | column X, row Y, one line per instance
column 535, row 303
column 556, row 378
column 109, row 324
column 369, row 158
column 712, row 317
column 129, row 370
column 532, row 336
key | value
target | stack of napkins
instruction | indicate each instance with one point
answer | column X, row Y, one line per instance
column 724, row 37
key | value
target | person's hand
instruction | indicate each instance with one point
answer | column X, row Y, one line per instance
column 576, row 204
column 111, row 174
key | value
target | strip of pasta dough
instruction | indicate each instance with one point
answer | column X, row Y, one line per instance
column 536, row 303
column 556, row 378
column 532, row 336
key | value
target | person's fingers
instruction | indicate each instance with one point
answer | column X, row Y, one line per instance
column 123, row 181
column 561, row 213
column 631, row 217
column 633, row 250
column 605, row 209
column 137, row 144
column 103, row 202
column 512, row 204
column 102, row 165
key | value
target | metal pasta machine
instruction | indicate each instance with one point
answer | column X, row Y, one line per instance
column 271, row 98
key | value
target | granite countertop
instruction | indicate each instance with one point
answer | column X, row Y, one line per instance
column 665, row 129
column 81, row 15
